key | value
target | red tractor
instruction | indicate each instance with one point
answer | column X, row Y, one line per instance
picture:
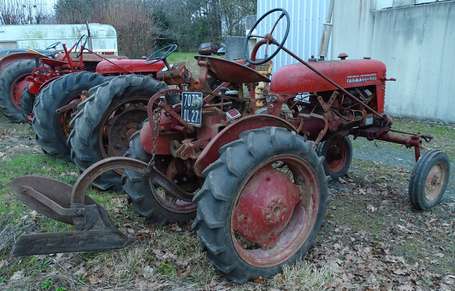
column 14, row 70
column 48, row 69
column 59, row 96
column 25, row 73
column 254, row 182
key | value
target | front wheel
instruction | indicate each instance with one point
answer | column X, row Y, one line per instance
column 262, row 203
column 337, row 151
column 429, row 180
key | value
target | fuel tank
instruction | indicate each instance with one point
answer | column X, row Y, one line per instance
column 124, row 66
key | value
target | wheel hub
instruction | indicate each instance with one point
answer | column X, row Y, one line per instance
column 265, row 207
column 336, row 155
column 434, row 182
column 122, row 127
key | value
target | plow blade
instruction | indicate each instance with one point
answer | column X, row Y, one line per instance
column 94, row 231
column 47, row 196
column 68, row 242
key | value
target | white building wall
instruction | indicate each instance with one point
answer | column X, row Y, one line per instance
column 416, row 42
column 104, row 37
column 307, row 19
column 414, row 38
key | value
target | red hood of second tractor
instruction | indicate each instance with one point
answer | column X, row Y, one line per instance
column 122, row 66
column 297, row 78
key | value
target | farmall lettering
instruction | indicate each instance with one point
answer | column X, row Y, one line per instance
column 361, row 78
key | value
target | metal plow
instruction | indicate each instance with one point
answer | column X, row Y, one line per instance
column 93, row 230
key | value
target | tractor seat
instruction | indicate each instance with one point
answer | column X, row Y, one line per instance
column 232, row 72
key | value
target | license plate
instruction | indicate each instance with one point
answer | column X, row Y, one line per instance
column 192, row 108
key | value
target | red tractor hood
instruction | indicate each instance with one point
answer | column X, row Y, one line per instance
column 297, row 78
column 124, row 66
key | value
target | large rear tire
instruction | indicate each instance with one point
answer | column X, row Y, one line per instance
column 229, row 234
column 115, row 109
column 12, row 84
column 52, row 128
column 147, row 200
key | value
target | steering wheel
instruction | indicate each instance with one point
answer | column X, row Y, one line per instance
column 53, row 46
column 268, row 39
column 162, row 53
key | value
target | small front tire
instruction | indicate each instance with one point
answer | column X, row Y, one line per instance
column 429, row 180
column 337, row 151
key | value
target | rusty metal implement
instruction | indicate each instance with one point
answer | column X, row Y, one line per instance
column 94, row 231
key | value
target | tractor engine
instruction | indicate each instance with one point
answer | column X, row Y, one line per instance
column 176, row 136
column 314, row 105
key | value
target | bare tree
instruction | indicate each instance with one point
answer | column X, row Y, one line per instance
column 233, row 13
column 133, row 20
column 135, row 25
column 25, row 12
column 141, row 23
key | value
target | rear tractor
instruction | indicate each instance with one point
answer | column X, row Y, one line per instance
column 255, row 182
column 63, row 86
column 25, row 73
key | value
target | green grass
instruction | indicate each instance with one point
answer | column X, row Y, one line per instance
column 181, row 57
column 443, row 134
column 187, row 58
column 29, row 164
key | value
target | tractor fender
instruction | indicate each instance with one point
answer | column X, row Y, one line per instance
column 232, row 132
column 5, row 61
column 50, row 80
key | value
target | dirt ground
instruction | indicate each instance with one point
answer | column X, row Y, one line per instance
column 372, row 239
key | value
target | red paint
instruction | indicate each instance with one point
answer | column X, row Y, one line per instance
column 231, row 133
column 233, row 72
column 297, row 78
column 17, row 88
column 163, row 147
column 128, row 66
column 5, row 61
column 265, row 207
column 53, row 62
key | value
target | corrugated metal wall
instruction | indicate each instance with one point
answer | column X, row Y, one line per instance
column 416, row 42
column 307, row 18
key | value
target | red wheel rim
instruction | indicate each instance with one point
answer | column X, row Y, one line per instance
column 173, row 204
column 119, row 124
column 17, row 88
column 169, row 201
column 64, row 117
column 298, row 229
column 336, row 154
